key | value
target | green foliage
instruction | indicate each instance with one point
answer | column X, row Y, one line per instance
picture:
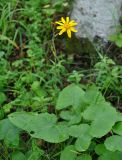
column 97, row 119
column 54, row 105
column 117, row 39
column 68, row 153
column 2, row 97
column 9, row 133
column 108, row 75
column 114, row 143
column 18, row 156
column 41, row 126
column 118, row 128
column 84, row 157
column 70, row 96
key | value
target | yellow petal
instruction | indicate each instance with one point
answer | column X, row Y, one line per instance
column 59, row 23
column 63, row 20
column 73, row 29
column 69, row 33
column 72, row 23
column 62, row 31
column 67, row 19
column 59, row 27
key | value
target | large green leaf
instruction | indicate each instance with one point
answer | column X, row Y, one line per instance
column 103, row 117
column 9, row 133
column 103, row 125
column 81, row 132
column 43, row 126
column 72, row 95
column 96, row 111
column 69, row 153
column 114, row 143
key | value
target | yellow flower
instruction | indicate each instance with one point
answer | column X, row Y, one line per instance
column 66, row 26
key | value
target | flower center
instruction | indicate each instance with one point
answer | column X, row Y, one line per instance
column 66, row 25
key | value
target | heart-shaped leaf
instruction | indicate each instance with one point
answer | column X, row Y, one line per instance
column 43, row 126
column 72, row 95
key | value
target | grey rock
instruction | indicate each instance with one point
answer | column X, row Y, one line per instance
column 96, row 17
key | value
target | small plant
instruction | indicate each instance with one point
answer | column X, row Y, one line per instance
column 117, row 39
column 108, row 75
column 92, row 125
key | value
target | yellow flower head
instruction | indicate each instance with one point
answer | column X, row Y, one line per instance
column 66, row 26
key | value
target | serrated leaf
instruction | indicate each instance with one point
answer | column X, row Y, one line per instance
column 70, row 96
column 114, row 143
column 43, row 126
column 9, row 133
column 69, row 153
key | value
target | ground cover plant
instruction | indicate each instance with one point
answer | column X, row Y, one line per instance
column 60, row 98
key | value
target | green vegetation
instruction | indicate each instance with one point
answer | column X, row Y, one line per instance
column 55, row 102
